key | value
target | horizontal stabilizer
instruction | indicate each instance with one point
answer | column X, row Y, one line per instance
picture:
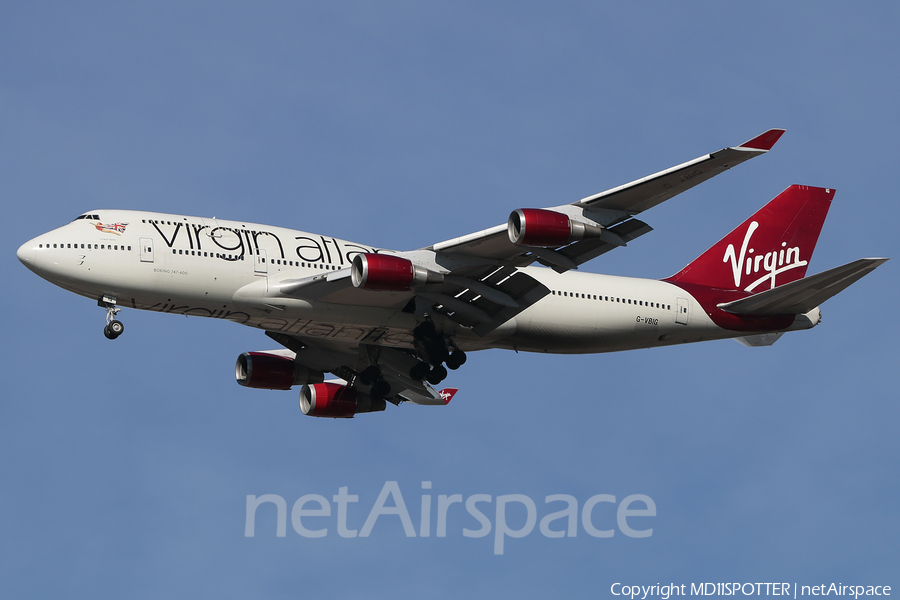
column 803, row 295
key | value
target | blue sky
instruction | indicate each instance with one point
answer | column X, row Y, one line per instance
column 126, row 465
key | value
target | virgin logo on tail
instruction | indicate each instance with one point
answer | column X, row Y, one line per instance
column 447, row 394
column 771, row 263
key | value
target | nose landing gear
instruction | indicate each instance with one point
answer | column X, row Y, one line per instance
column 113, row 327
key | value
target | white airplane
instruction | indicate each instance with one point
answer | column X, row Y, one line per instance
column 386, row 323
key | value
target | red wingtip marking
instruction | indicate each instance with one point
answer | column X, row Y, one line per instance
column 764, row 141
column 447, row 394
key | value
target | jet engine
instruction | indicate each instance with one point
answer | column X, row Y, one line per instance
column 547, row 229
column 389, row 273
column 336, row 401
column 271, row 371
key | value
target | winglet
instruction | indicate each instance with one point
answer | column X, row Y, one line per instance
column 764, row 141
column 447, row 394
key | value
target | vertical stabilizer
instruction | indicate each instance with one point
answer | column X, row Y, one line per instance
column 771, row 248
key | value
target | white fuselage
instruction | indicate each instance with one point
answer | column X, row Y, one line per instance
column 227, row 270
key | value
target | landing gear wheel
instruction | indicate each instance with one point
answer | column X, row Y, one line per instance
column 419, row 371
column 437, row 375
column 115, row 328
column 456, row 359
column 381, row 389
column 370, row 374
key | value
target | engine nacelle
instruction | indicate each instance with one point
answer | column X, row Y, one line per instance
column 389, row 273
column 267, row 371
column 547, row 228
column 336, row 401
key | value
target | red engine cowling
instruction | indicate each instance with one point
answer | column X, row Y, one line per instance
column 267, row 371
column 546, row 228
column 336, row 401
column 389, row 273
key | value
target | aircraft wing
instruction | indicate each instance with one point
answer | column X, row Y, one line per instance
column 484, row 288
column 481, row 297
column 347, row 360
column 612, row 210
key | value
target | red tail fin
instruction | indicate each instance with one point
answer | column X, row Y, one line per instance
column 771, row 248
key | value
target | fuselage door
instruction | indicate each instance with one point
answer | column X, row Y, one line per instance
column 146, row 250
column 259, row 262
column 681, row 306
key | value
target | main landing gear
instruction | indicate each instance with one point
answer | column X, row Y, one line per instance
column 371, row 375
column 113, row 327
column 437, row 350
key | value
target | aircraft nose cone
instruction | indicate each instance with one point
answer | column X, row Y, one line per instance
column 25, row 253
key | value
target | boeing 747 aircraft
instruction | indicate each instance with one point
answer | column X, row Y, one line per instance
column 389, row 324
